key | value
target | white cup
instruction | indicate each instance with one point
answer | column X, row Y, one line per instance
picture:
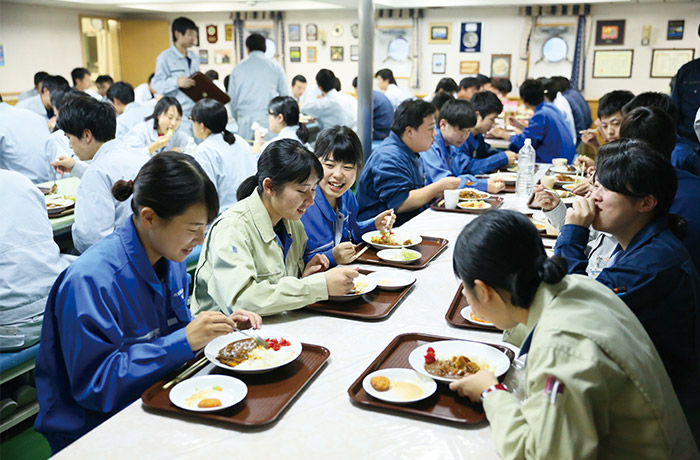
column 451, row 199
column 559, row 161
column 547, row 181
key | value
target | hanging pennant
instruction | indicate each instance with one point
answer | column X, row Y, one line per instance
column 212, row 35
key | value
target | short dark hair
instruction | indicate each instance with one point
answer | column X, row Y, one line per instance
column 283, row 161
column 161, row 107
column 288, row 107
column 88, row 113
column 447, row 84
column 458, row 113
column 411, row 113
column 61, row 98
column 213, row 114
column 483, row 79
column 613, row 102
column 340, row 144
column 182, row 25
column 150, row 77
column 354, row 82
column 652, row 99
column 104, row 79
column 532, row 92
column 40, row 76
column 652, row 125
column 169, row 183
column 55, row 83
column 325, row 79
column 121, row 90
column 503, row 249
column 563, row 83
column 298, row 78
column 503, row 85
column 212, row 74
column 469, row 82
column 441, row 99
column 486, row 103
column 386, row 74
column 227, row 78
column 255, row 42
column 78, row 74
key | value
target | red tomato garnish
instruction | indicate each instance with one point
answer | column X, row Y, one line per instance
column 430, row 356
column 277, row 344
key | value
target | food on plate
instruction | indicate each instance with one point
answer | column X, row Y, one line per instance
column 479, row 320
column 247, row 354
column 380, row 383
column 566, row 194
column 408, row 254
column 564, row 178
column 384, row 282
column 480, row 204
column 455, row 367
column 53, row 189
column 209, row 402
column 407, row 390
column 388, row 239
column 472, row 195
column 359, row 288
column 51, row 205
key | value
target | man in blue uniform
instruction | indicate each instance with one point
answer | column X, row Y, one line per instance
column 455, row 121
column 382, row 114
column 686, row 97
column 547, row 128
column 394, row 178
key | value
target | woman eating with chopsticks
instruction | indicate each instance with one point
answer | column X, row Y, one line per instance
column 117, row 321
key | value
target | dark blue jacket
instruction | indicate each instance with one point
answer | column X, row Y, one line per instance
column 550, row 135
column 580, row 110
column 471, row 158
column 444, row 160
column 687, row 205
column 685, row 156
column 382, row 116
column 686, row 98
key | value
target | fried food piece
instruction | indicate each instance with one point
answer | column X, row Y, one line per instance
column 380, row 383
column 209, row 402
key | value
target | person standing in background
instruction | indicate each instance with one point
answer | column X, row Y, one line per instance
column 175, row 65
column 253, row 83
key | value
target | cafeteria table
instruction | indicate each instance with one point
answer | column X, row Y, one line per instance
column 68, row 187
column 322, row 422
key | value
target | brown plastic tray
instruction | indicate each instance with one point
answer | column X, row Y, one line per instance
column 454, row 317
column 378, row 304
column 430, row 248
column 495, row 202
column 443, row 404
column 65, row 212
column 269, row 393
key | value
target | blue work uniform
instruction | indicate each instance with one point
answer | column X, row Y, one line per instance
column 439, row 162
column 685, row 156
column 685, row 204
column 471, row 158
column 111, row 329
column 35, row 104
column 171, row 65
column 327, row 227
column 656, row 278
column 686, row 97
column 550, row 135
column 382, row 116
column 580, row 111
column 391, row 172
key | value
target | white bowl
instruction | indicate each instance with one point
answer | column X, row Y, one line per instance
column 399, row 236
column 58, row 205
column 508, row 178
column 466, row 314
column 466, row 205
column 400, row 377
column 482, row 354
column 394, row 255
column 232, row 391
column 212, row 350
column 392, row 280
column 371, row 286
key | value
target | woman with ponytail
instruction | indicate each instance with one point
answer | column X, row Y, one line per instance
column 283, row 118
column 225, row 158
column 253, row 255
column 116, row 320
column 595, row 387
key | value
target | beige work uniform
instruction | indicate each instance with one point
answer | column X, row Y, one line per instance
column 243, row 266
column 615, row 401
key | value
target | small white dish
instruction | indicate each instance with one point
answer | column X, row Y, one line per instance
column 484, row 355
column 563, row 170
column 56, row 205
column 406, row 385
column 399, row 237
column 508, row 178
column 392, row 280
column 471, row 205
column 363, row 283
column 467, row 312
column 396, row 255
column 211, row 351
column 188, row 393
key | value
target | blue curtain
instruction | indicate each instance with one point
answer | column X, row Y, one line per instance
column 578, row 74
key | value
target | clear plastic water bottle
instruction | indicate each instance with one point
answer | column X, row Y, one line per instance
column 526, row 171
column 190, row 147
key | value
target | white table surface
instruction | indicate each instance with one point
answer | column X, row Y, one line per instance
column 322, row 422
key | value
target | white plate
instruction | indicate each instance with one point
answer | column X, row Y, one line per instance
column 398, row 236
column 465, row 205
column 393, row 255
column 392, row 280
column 497, row 361
column 508, row 178
column 371, row 286
column 232, row 392
column 212, row 350
column 60, row 204
column 569, row 187
column 485, row 195
column 398, row 377
column 466, row 314
column 567, row 200
column 562, row 170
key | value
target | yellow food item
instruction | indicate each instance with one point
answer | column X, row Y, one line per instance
column 209, row 402
column 380, row 383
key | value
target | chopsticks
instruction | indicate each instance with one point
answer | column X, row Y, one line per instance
column 187, row 373
column 362, row 251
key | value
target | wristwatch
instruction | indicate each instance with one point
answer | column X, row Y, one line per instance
column 498, row 386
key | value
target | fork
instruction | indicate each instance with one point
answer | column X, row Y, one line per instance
column 259, row 340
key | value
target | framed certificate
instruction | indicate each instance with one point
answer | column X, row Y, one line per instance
column 439, row 63
column 666, row 62
column 612, row 64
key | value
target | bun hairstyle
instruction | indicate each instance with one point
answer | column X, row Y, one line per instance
column 504, row 250
column 633, row 168
column 289, row 109
column 169, row 183
column 161, row 107
column 283, row 161
column 213, row 115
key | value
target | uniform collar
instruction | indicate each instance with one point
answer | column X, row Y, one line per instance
column 539, row 106
column 543, row 297
column 328, row 212
column 649, row 231
column 261, row 218
column 256, row 53
column 106, row 148
column 439, row 141
column 289, row 130
column 177, row 52
column 213, row 138
column 396, row 140
column 136, row 253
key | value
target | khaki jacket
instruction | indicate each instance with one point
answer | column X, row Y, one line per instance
column 243, row 266
column 617, row 401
